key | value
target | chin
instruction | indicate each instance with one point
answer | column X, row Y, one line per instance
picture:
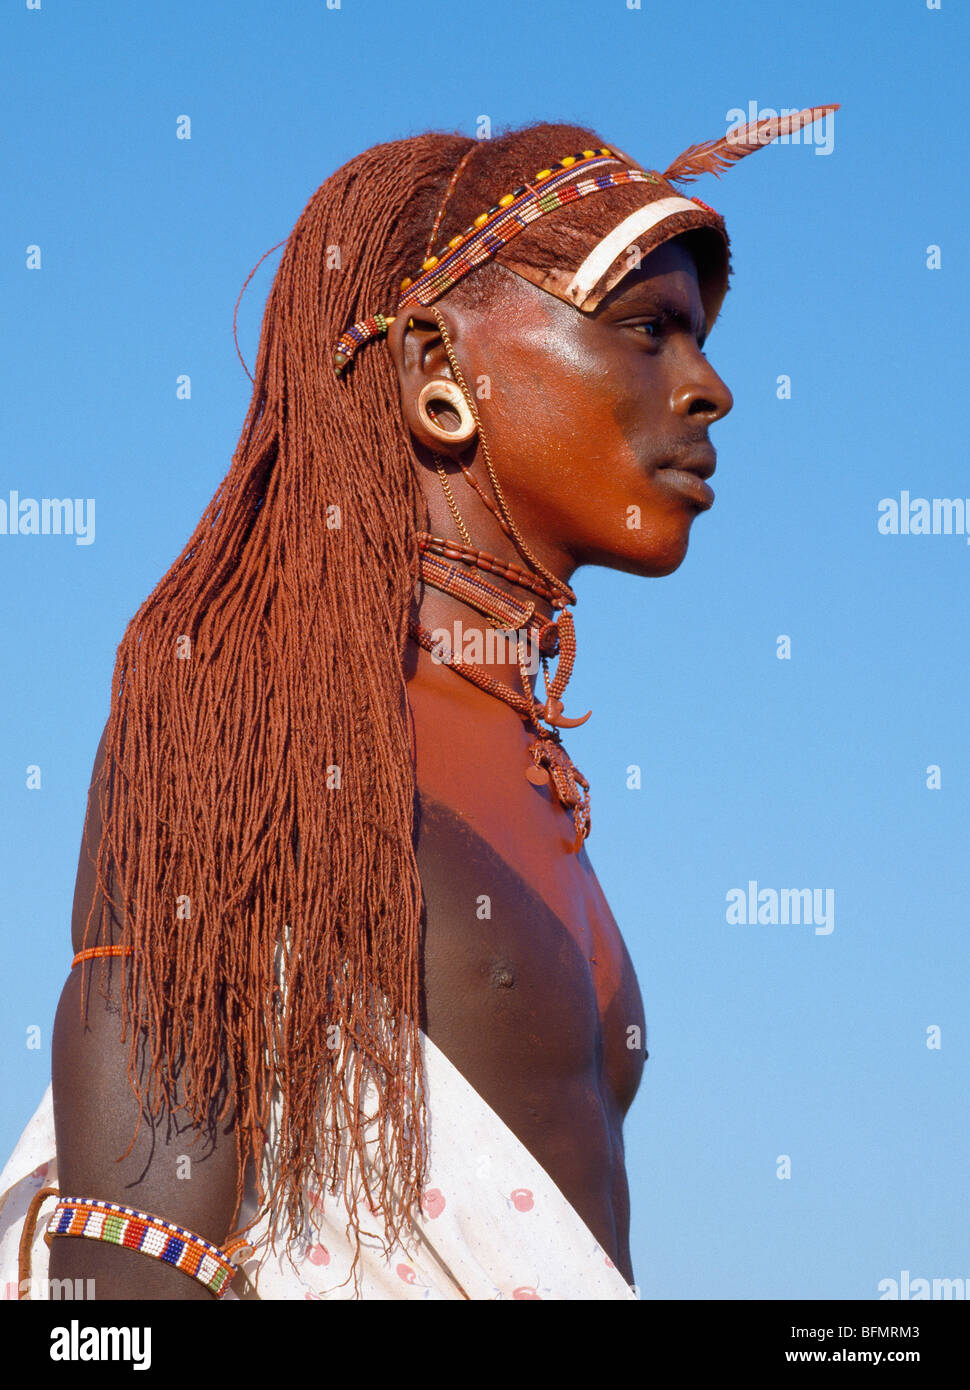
column 652, row 558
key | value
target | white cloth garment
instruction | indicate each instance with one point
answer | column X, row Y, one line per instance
column 493, row 1224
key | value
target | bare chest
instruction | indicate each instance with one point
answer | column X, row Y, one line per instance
column 529, row 1003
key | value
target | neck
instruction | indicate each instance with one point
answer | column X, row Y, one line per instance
column 542, row 586
column 497, row 623
column 463, row 630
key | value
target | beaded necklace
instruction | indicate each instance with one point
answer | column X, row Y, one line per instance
column 549, row 763
column 481, row 559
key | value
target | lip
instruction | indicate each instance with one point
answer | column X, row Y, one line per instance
column 701, row 462
column 688, row 474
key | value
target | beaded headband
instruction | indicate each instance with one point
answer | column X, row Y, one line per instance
column 664, row 214
column 577, row 176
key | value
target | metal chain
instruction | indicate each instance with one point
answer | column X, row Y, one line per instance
column 463, row 529
column 499, row 495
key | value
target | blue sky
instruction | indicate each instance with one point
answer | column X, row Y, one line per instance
column 765, row 1040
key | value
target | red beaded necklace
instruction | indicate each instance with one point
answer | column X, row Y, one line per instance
column 481, row 559
column 549, row 763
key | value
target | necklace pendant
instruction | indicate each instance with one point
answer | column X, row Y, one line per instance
column 551, row 765
column 552, row 714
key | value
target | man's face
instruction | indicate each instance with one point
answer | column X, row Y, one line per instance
column 597, row 423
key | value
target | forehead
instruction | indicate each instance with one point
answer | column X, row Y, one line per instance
column 670, row 268
column 657, row 237
column 508, row 309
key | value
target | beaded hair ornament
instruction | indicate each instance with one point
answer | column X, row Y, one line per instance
column 663, row 215
column 572, row 178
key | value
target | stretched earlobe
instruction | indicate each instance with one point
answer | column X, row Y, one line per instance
column 435, row 408
column 440, row 392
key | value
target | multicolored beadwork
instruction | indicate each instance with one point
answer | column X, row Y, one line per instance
column 562, row 183
column 150, row 1235
column 358, row 334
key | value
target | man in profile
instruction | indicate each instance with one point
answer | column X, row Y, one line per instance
column 339, row 945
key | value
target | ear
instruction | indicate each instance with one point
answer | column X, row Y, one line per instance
column 419, row 357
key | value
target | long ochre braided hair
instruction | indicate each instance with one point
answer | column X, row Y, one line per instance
column 258, row 785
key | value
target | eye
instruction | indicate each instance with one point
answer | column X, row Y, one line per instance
column 647, row 330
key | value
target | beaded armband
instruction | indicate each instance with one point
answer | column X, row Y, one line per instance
column 138, row 1230
column 150, row 1235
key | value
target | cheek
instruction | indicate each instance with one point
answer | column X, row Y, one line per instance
column 575, row 435
column 565, row 415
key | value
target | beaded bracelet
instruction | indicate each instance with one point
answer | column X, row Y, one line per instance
column 138, row 1230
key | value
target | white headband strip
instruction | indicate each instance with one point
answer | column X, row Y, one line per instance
column 602, row 256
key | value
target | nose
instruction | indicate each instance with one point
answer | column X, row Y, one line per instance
column 705, row 394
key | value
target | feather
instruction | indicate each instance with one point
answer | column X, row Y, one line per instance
column 713, row 156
